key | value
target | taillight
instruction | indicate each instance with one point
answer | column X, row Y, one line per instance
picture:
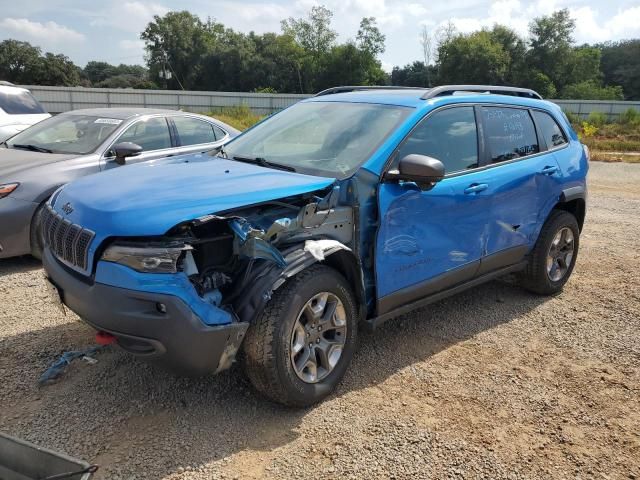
column 586, row 152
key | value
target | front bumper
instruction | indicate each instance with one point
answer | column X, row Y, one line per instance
column 15, row 226
column 173, row 335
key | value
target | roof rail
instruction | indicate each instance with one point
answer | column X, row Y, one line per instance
column 332, row 90
column 452, row 89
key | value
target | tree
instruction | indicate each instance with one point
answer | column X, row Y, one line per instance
column 551, row 45
column 426, row 41
column 592, row 90
column 175, row 45
column 516, row 50
column 369, row 38
column 19, row 61
column 621, row 66
column 473, row 58
column 98, row 71
column 314, row 33
column 412, row 75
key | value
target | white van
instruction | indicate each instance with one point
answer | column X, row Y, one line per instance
column 18, row 110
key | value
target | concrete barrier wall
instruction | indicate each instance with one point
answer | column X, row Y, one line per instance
column 62, row 99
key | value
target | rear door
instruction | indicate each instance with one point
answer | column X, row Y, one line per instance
column 430, row 240
column 152, row 134
column 522, row 179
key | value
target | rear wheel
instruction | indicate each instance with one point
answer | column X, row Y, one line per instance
column 554, row 256
column 300, row 347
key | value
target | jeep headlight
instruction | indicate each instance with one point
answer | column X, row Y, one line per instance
column 149, row 258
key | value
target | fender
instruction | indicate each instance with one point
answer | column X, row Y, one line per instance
column 270, row 277
column 573, row 193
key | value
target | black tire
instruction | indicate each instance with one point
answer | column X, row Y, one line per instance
column 267, row 345
column 535, row 277
column 35, row 233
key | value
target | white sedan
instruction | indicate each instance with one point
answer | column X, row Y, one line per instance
column 18, row 110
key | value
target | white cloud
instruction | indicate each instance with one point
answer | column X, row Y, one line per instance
column 48, row 31
column 590, row 24
column 131, row 45
column 129, row 16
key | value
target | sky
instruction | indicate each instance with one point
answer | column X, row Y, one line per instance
column 109, row 30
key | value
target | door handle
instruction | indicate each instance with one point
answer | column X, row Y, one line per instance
column 476, row 188
column 549, row 170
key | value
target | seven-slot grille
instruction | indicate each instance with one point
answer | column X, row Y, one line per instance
column 67, row 241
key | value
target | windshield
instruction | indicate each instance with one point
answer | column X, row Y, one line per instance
column 16, row 101
column 76, row 134
column 320, row 138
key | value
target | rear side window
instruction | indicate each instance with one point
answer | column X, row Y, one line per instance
column 550, row 131
column 19, row 102
column 220, row 134
column 193, row 131
column 510, row 133
column 449, row 135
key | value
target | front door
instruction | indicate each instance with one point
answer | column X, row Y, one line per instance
column 152, row 134
column 430, row 240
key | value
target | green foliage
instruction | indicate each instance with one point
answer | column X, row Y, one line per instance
column 476, row 56
column 314, row 33
column 589, row 129
column 551, row 44
column 184, row 51
column 176, row 44
column 238, row 117
column 621, row 66
column 591, row 90
column 630, row 117
column 574, row 119
column 597, row 118
column 369, row 38
column 22, row 63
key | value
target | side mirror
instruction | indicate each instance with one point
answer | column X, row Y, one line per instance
column 418, row 168
column 124, row 150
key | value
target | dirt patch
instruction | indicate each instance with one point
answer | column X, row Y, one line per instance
column 494, row 383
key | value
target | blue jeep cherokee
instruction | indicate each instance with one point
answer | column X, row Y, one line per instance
column 345, row 209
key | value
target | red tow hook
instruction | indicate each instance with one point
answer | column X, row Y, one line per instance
column 104, row 338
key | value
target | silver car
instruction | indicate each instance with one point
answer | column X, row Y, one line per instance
column 35, row 162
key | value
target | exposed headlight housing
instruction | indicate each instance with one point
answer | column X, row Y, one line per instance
column 150, row 258
column 7, row 188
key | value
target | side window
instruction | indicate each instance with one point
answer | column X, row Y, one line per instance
column 549, row 129
column 510, row 133
column 151, row 134
column 220, row 134
column 193, row 131
column 449, row 135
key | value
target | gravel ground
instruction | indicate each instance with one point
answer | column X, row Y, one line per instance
column 494, row 383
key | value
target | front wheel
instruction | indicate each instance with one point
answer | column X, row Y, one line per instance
column 36, row 238
column 554, row 255
column 300, row 347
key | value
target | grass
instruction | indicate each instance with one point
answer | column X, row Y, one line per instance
column 608, row 142
column 238, row 117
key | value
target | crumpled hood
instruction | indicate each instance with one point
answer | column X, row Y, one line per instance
column 149, row 199
column 15, row 160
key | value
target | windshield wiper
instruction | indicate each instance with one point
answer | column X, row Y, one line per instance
column 33, row 148
column 263, row 162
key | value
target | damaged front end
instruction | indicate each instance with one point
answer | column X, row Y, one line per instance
column 235, row 261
